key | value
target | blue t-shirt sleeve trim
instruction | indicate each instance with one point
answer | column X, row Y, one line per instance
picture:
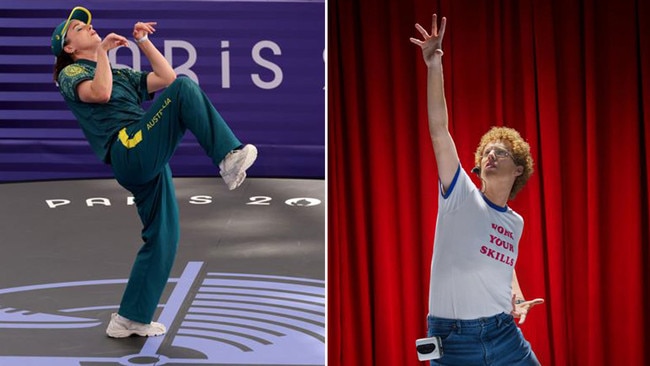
column 451, row 186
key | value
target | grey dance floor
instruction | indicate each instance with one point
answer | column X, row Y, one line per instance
column 247, row 287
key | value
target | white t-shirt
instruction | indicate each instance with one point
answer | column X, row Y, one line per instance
column 474, row 254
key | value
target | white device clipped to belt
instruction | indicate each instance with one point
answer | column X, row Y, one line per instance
column 429, row 348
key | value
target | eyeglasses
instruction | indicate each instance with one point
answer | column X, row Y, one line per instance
column 498, row 152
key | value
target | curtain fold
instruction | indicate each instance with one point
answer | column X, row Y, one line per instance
column 573, row 77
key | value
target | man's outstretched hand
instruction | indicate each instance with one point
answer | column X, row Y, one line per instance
column 520, row 310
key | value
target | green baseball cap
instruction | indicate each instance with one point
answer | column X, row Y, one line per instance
column 58, row 36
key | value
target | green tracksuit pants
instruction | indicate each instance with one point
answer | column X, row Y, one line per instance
column 139, row 158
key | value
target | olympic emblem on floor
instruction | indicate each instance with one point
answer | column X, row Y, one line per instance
column 233, row 318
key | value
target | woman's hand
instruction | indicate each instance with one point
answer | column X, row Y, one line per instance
column 431, row 44
column 141, row 29
column 113, row 40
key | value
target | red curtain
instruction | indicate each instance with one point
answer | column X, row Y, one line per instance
column 573, row 77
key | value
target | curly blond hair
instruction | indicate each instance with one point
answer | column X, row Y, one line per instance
column 520, row 153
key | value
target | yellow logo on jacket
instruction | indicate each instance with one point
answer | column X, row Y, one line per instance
column 129, row 142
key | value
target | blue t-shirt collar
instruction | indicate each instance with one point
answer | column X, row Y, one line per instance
column 494, row 205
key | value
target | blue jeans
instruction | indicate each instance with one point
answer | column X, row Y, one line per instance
column 493, row 341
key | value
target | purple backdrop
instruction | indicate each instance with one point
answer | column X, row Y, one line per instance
column 260, row 62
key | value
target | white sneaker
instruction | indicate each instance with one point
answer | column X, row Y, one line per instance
column 121, row 327
column 233, row 166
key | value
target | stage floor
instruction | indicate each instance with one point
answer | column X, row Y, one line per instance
column 247, row 287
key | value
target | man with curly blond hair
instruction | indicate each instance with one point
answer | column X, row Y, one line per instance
column 517, row 149
column 474, row 294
